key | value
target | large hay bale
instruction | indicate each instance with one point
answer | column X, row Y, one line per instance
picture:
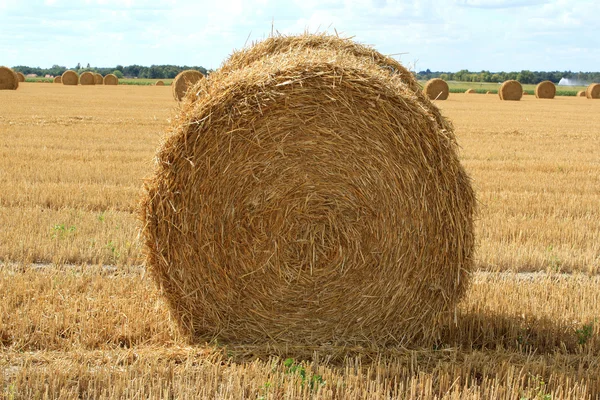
column 312, row 198
column 21, row 77
column 159, row 83
column 58, row 79
column 593, row 91
column 87, row 78
column 111, row 79
column 510, row 90
column 8, row 79
column 284, row 44
column 545, row 90
column 98, row 79
column 70, row 77
column 470, row 91
column 581, row 93
column 436, row 89
column 185, row 80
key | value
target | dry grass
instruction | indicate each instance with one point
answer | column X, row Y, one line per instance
column 92, row 331
column 21, row 77
column 77, row 161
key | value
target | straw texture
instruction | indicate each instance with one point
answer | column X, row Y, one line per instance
column 8, row 79
column 510, row 90
column 593, row 91
column 58, row 79
column 98, row 79
column 581, row 93
column 21, row 77
column 436, row 89
column 183, row 81
column 70, row 78
column 111, row 79
column 470, row 91
column 309, row 197
column 159, row 83
column 87, row 78
column 545, row 90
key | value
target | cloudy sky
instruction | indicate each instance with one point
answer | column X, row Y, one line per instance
column 442, row 35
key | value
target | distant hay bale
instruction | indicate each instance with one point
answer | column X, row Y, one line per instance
column 436, row 89
column 87, row 78
column 98, row 79
column 185, row 80
column 70, row 78
column 8, row 79
column 57, row 79
column 311, row 198
column 581, row 93
column 21, row 77
column 470, row 91
column 510, row 90
column 159, row 83
column 593, row 91
column 545, row 90
column 111, row 79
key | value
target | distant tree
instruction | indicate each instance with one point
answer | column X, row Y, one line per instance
column 117, row 73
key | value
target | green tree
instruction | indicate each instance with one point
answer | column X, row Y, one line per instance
column 118, row 73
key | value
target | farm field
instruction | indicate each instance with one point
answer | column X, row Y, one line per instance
column 80, row 318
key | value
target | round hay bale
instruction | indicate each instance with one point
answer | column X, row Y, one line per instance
column 510, row 90
column 581, row 93
column 488, row 92
column 185, row 80
column 111, row 79
column 98, row 79
column 470, row 91
column 87, row 78
column 8, row 79
column 309, row 198
column 70, row 77
column 57, row 79
column 593, row 91
column 21, row 77
column 279, row 44
column 545, row 90
column 159, row 83
column 436, row 89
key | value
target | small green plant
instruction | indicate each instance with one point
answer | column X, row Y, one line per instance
column 585, row 333
column 101, row 217
column 554, row 262
column 292, row 368
column 61, row 231
column 539, row 390
column 113, row 249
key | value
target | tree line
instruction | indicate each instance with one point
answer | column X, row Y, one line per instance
column 130, row 71
column 525, row 76
column 464, row 75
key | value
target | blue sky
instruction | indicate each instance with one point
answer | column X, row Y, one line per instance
column 496, row 35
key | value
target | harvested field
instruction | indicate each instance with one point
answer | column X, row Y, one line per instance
column 73, row 176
